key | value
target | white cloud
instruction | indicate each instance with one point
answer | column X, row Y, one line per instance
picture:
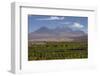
column 73, row 25
column 77, row 25
column 51, row 18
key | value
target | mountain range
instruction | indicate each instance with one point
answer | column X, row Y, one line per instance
column 57, row 34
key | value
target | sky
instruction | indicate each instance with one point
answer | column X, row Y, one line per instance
column 73, row 22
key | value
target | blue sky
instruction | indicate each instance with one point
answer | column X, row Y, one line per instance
column 74, row 22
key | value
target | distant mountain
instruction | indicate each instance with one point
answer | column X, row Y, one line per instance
column 43, row 30
column 60, row 34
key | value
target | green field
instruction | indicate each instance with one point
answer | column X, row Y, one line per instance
column 57, row 50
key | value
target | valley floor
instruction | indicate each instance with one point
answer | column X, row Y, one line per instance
column 57, row 50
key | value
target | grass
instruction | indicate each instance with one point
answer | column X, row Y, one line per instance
column 57, row 50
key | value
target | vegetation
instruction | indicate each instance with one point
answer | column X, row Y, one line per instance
column 57, row 50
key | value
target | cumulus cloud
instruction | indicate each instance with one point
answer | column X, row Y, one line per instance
column 73, row 25
column 77, row 25
column 51, row 18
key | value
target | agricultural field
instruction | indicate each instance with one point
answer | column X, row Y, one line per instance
column 57, row 50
